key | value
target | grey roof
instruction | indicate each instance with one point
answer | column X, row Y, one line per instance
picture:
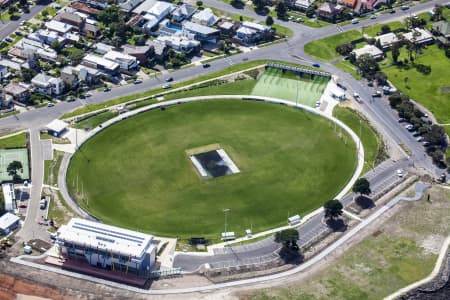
column 194, row 27
column 184, row 10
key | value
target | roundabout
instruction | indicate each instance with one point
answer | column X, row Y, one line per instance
column 137, row 173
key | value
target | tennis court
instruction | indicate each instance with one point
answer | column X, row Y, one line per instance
column 290, row 86
column 9, row 155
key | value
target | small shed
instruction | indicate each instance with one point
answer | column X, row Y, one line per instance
column 8, row 222
column 294, row 220
column 56, row 127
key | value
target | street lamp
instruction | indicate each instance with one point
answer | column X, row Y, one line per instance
column 225, row 211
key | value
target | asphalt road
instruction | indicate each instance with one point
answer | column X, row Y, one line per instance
column 377, row 112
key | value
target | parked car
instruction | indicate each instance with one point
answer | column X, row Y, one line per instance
column 355, row 21
column 50, row 104
column 317, row 103
column 416, row 134
column 405, row 7
column 9, row 40
column 169, row 79
column 400, row 173
column 88, row 95
column 298, row 20
column 71, row 99
column 106, row 89
column 43, row 203
column 392, row 11
column 419, row 139
column 167, row 86
column 373, row 17
column 426, row 144
column 316, row 65
column 19, row 33
column 137, row 81
column 22, row 23
column 376, row 94
column 206, row 66
column 401, row 120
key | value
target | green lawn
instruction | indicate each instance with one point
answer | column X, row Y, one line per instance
column 15, row 141
column 348, row 67
column 241, row 87
column 282, row 30
column 402, row 251
column 289, row 161
column 425, row 89
column 372, row 143
column 96, row 120
column 374, row 29
column 325, row 49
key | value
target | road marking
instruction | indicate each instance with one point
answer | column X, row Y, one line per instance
column 352, row 215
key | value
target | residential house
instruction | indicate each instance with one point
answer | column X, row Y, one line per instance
column 86, row 74
column 59, row 27
column 205, row 17
column 386, row 40
column 141, row 53
column 442, row 28
column 228, row 28
column 102, row 48
column 126, row 62
column 372, row 4
column 160, row 50
column 182, row 12
column 419, row 36
column 348, row 3
column 330, row 11
column 101, row 64
column 303, row 4
column 47, row 37
column 201, row 33
column 71, row 18
column 129, row 5
column 100, row 4
column 91, row 31
column 369, row 49
column 69, row 76
column 19, row 92
column 81, row 23
column 48, row 85
column 158, row 12
column 179, row 43
column 42, row 50
column 249, row 33
column 3, row 72
column 81, row 7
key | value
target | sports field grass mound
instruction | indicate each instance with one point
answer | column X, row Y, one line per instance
column 289, row 86
column 137, row 173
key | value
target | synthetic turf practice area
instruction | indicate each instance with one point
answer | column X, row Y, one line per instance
column 9, row 155
column 290, row 86
column 137, row 173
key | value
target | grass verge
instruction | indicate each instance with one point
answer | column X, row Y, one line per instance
column 15, row 141
column 325, row 49
column 51, row 168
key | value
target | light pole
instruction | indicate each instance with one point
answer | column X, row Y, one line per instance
column 225, row 211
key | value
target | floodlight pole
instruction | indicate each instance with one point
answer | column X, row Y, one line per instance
column 225, row 211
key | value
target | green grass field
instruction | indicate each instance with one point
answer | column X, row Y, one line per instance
column 374, row 29
column 96, row 120
column 373, row 145
column 14, row 141
column 290, row 161
column 273, row 83
column 425, row 89
column 348, row 67
column 325, row 49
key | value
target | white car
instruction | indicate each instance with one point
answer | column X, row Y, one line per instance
column 355, row 21
column 400, row 173
column 317, row 103
column 355, row 95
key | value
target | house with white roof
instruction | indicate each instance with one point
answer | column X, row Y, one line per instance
column 48, row 85
column 182, row 12
column 56, row 127
column 108, row 247
column 368, row 49
column 250, row 33
column 386, row 40
column 59, row 27
column 9, row 197
column 100, row 63
column 126, row 62
column 8, row 222
column 205, row 17
column 419, row 36
column 158, row 12
column 303, row 4
column 182, row 43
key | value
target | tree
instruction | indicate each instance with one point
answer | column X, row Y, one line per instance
column 109, row 15
column 333, row 209
column 367, row 65
column 56, row 45
column 199, row 3
column 23, row 3
column 269, row 21
column 385, row 29
column 380, row 77
column 288, row 238
column 281, row 10
column 362, row 186
column 345, row 49
column 12, row 10
column 438, row 10
column 13, row 168
column 395, row 49
column 75, row 56
column 27, row 74
column 259, row 4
